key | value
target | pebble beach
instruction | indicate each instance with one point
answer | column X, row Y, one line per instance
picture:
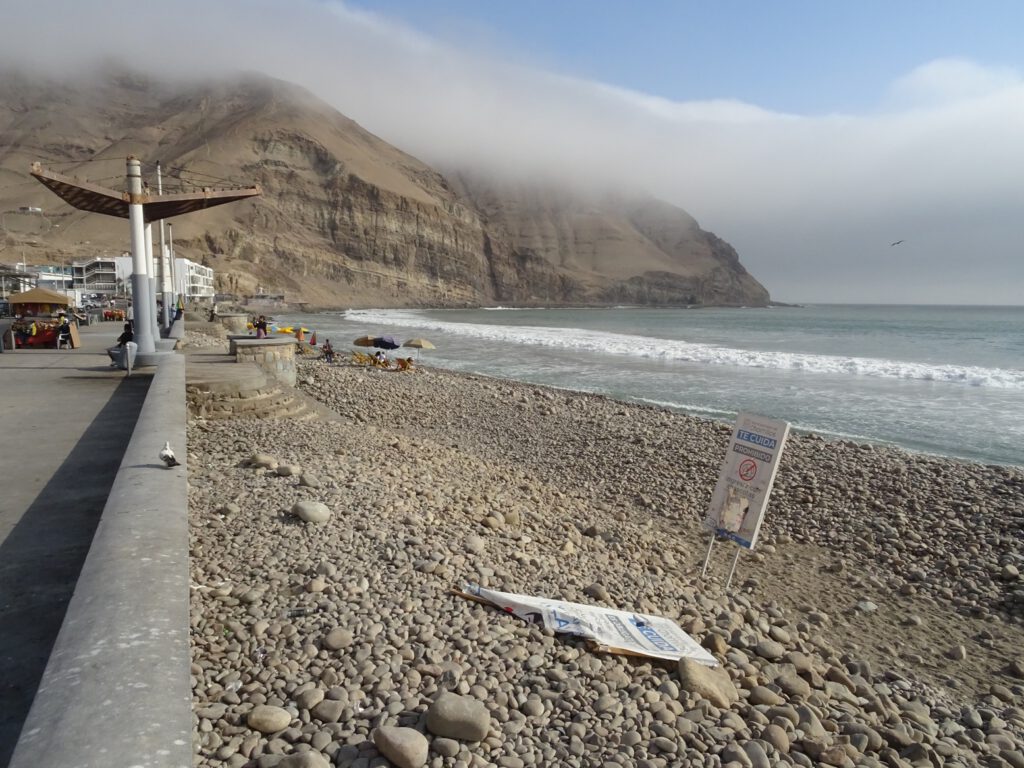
column 878, row 621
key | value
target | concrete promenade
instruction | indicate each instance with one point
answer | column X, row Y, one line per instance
column 67, row 418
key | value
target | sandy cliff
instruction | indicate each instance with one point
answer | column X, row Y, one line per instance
column 345, row 218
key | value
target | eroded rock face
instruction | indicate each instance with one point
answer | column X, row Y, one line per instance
column 347, row 219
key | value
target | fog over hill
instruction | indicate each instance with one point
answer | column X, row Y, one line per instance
column 346, row 219
column 810, row 200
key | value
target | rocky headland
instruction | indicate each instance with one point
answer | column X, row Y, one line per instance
column 877, row 623
column 345, row 219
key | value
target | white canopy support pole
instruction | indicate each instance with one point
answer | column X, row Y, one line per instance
column 152, row 281
column 142, row 310
column 163, row 273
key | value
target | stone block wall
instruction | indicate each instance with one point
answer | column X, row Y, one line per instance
column 275, row 356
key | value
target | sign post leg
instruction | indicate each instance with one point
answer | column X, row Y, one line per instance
column 735, row 559
column 707, row 557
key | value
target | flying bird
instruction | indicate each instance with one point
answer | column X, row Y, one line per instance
column 896, row 243
column 167, row 456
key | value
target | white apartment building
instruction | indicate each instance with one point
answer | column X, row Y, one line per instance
column 97, row 275
column 108, row 274
column 194, row 281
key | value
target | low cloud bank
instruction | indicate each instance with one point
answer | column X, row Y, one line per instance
column 811, row 202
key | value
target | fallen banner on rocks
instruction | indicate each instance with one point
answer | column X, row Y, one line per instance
column 605, row 629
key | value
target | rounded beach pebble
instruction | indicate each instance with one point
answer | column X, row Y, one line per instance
column 404, row 747
column 266, row 719
column 711, row 684
column 308, row 759
column 458, row 717
column 311, row 511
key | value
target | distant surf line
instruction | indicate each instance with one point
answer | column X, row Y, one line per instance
column 676, row 350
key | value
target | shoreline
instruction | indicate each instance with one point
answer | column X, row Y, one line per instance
column 435, row 478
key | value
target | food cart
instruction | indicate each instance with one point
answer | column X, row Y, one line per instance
column 41, row 305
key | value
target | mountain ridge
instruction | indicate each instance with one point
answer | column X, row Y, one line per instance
column 346, row 219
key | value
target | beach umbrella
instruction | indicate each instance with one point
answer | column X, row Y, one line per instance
column 386, row 342
column 419, row 344
column 364, row 341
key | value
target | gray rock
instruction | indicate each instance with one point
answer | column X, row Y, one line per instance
column 309, row 698
column 311, row 511
column 770, row 649
column 445, row 747
column 711, row 684
column 308, row 759
column 338, row 638
column 957, row 653
column 777, row 737
column 328, row 710
column 404, row 747
column 458, row 717
column 598, row 592
column 761, row 695
column 268, row 719
column 263, row 461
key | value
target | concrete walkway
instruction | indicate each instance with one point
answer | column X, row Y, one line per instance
column 66, row 418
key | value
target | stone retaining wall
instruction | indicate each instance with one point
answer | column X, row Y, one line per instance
column 275, row 356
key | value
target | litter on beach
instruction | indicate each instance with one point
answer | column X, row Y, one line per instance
column 604, row 629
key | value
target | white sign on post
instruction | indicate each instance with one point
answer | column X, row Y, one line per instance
column 746, row 479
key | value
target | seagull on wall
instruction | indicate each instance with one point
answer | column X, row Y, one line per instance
column 167, row 456
column 896, row 243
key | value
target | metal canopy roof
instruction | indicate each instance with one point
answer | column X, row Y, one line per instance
column 97, row 199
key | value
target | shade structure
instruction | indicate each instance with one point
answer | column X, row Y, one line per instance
column 99, row 199
column 386, row 342
column 40, row 296
column 364, row 341
column 419, row 344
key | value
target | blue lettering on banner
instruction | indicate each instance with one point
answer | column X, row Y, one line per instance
column 563, row 623
column 619, row 627
column 756, row 439
column 652, row 634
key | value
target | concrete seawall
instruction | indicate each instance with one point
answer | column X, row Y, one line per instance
column 116, row 688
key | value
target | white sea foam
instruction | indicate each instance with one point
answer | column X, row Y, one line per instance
column 675, row 350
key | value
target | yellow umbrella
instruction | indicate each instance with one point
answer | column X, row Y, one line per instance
column 419, row 344
column 364, row 341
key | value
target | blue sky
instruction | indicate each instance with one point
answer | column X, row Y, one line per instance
column 806, row 57
column 809, row 135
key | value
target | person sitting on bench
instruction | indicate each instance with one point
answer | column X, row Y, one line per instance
column 118, row 349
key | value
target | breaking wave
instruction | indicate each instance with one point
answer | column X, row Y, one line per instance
column 675, row 350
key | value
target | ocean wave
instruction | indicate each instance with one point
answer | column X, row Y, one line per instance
column 675, row 350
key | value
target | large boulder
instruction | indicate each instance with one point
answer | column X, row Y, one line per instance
column 404, row 747
column 708, row 683
column 311, row 511
column 267, row 719
column 458, row 717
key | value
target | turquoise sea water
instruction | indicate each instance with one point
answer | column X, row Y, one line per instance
column 943, row 380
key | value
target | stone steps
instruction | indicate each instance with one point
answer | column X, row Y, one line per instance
column 264, row 404
column 219, row 388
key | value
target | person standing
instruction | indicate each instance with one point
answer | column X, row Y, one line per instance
column 261, row 327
